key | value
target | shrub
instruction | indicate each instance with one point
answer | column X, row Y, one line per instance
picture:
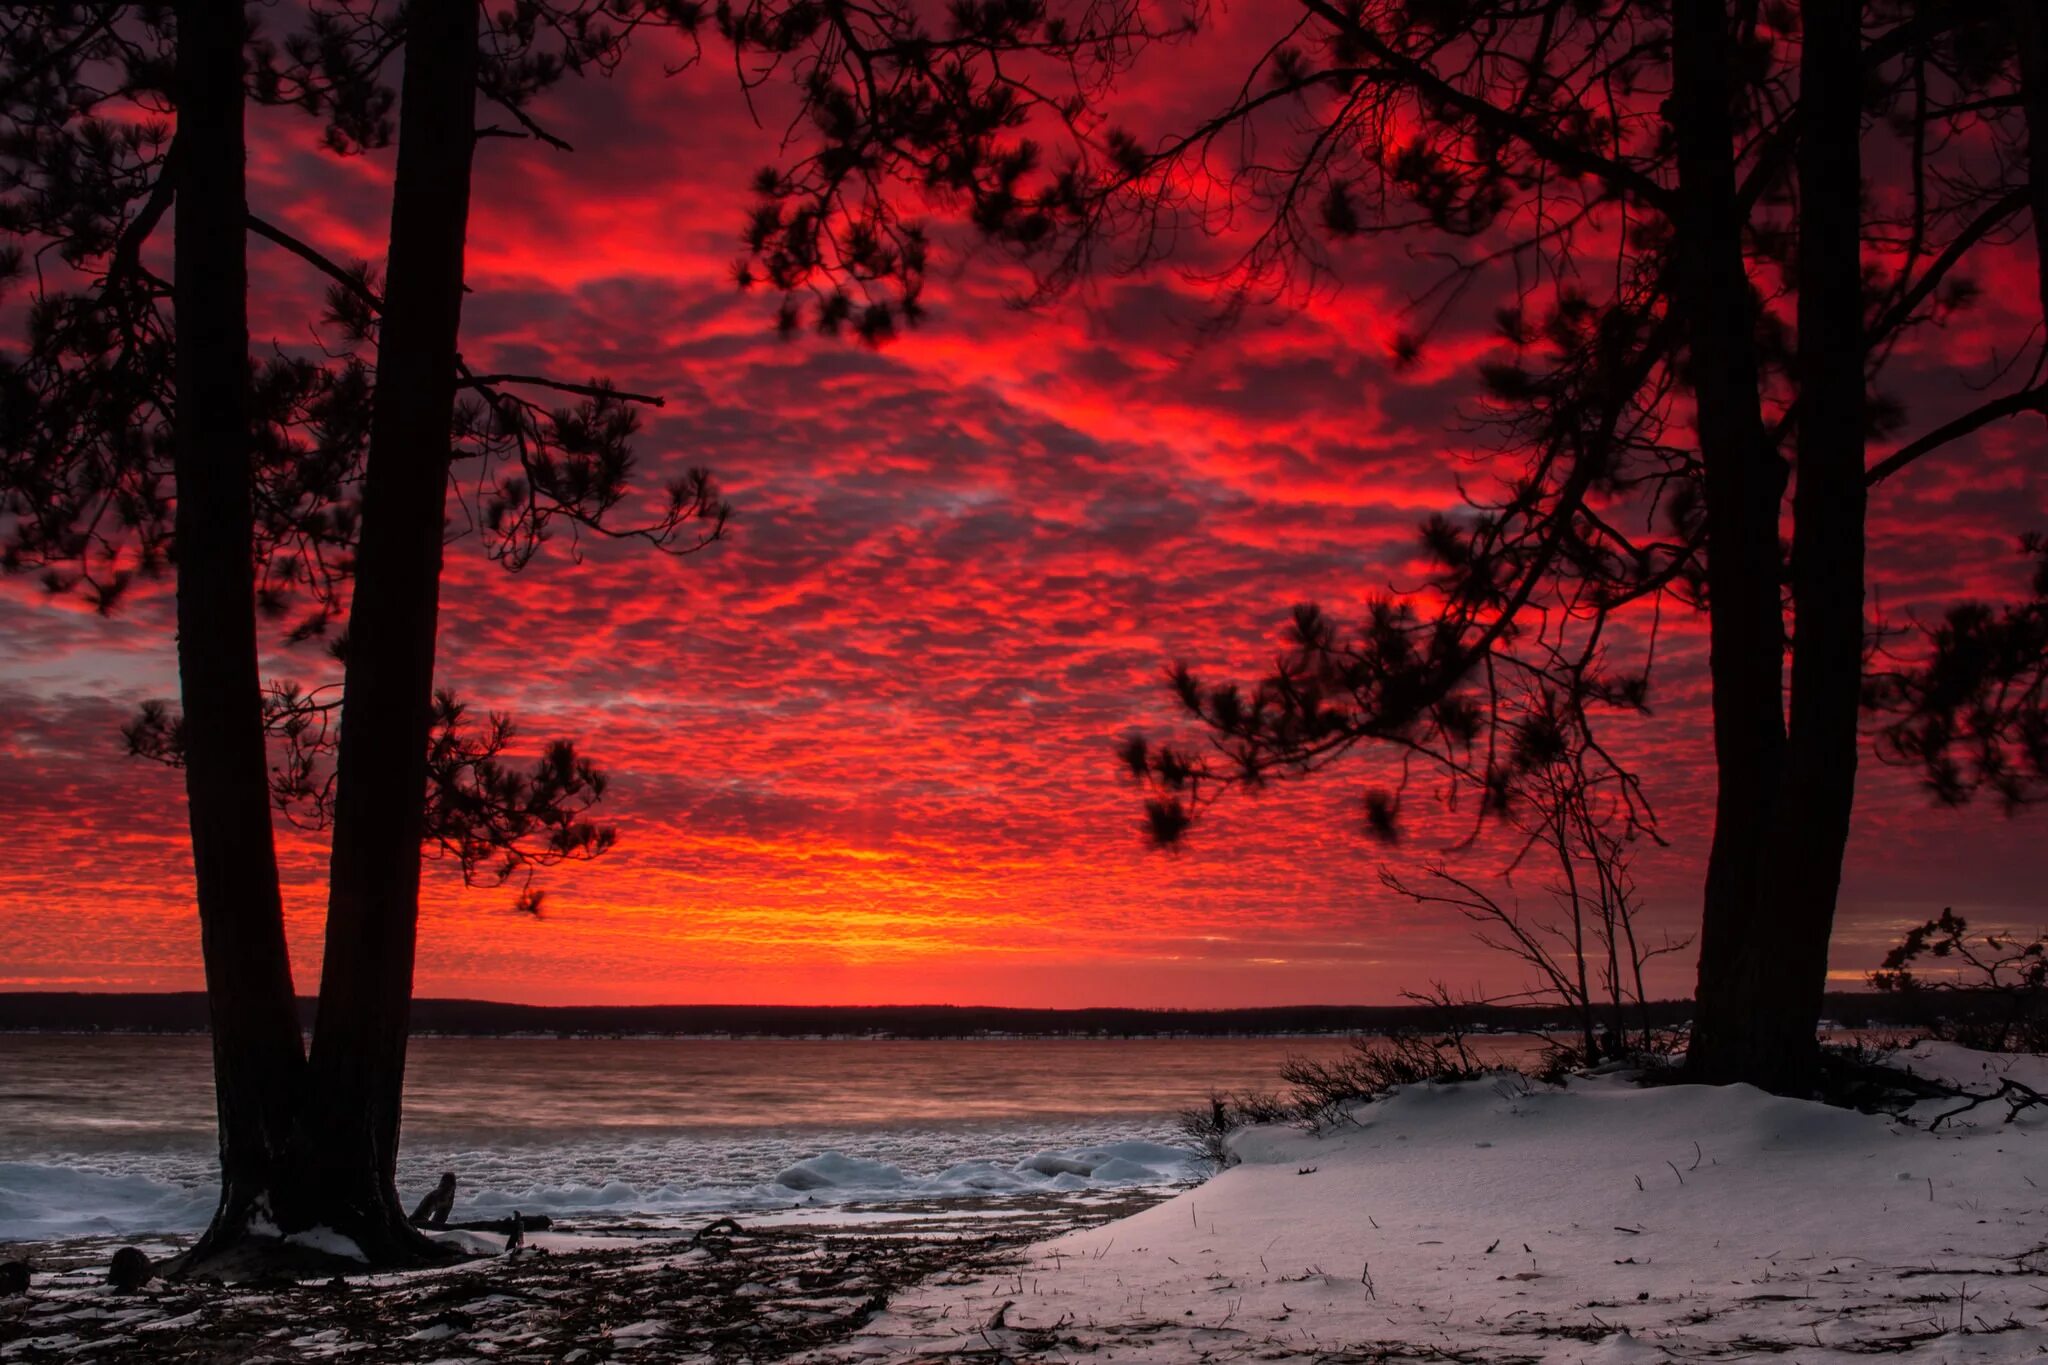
column 1321, row 1092
column 1324, row 1090
column 1994, row 998
column 1210, row 1129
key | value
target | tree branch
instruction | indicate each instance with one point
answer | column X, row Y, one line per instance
column 325, row 264
column 481, row 381
column 128, row 252
column 2012, row 405
column 1564, row 155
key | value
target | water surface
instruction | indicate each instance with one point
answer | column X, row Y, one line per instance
column 120, row 1128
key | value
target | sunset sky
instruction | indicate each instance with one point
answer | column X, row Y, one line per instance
column 863, row 750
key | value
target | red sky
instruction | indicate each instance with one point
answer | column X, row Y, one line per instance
column 862, row 751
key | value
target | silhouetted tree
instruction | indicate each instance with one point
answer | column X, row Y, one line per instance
column 264, row 478
column 254, row 1019
column 1660, row 419
column 348, row 463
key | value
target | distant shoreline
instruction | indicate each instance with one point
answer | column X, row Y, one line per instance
column 184, row 1012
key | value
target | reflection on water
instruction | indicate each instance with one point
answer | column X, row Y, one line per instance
column 107, row 1134
column 71, row 1092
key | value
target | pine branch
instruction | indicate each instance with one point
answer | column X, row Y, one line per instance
column 2012, row 405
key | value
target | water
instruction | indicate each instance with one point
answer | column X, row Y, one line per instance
column 115, row 1133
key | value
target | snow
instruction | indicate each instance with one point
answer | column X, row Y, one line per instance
column 1962, row 1066
column 468, row 1243
column 1598, row 1221
column 328, row 1242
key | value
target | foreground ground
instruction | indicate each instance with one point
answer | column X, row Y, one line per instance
column 1490, row 1221
column 1498, row 1221
column 774, row 1287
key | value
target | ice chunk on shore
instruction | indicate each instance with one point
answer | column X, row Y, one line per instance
column 1119, row 1163
column 978, row 1175
column 39, row 1202
column 836, row 1170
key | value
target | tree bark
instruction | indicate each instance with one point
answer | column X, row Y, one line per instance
column 1744, row 481
column 348, row 1142
column 1811, row 832
column 1786, row 787
column 257, row 1057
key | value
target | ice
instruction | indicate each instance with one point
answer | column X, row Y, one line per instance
column 835, row 1170
column 681, row 1177
column 979, row 1175
column 40, row 1202
column 1051, row 1163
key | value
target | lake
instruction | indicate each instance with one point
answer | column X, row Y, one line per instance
column 114, row 1133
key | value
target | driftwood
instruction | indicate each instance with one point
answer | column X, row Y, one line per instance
column 2017, row 1098
column 433, row 1210
column 724, row 1227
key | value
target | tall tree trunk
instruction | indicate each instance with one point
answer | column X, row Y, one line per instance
column 1744, row 480
column 1782, row 814
column 1811, row 832
column 348, row 1144
column 257, row 1060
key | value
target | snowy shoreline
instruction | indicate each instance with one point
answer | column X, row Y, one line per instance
column 1501, row 1220
column 1497, row 1220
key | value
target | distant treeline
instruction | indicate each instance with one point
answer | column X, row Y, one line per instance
column 185, row 1012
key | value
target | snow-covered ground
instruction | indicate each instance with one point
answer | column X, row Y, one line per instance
column 1501, row 1220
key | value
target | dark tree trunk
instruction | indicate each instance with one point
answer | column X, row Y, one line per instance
column 1811, row 832
column 348, row 1143
column 257, row 1060
column 1786, row 791
column 1733, row 1029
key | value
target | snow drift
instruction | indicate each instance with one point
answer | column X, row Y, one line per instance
column 1597, row 1221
